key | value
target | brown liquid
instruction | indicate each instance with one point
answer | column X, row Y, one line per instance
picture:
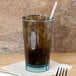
column 41, row 54
column 38, row 56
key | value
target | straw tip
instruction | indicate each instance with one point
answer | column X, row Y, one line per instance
column 53, row 10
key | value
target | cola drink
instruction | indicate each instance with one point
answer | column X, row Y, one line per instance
column 37, row 33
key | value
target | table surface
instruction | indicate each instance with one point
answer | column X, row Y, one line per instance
column 68, row 58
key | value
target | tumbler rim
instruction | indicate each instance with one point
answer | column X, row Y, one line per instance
column 46, row 20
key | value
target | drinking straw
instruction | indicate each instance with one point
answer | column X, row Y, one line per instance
column 53, row 10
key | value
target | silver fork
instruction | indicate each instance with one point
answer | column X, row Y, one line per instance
column 61, row 71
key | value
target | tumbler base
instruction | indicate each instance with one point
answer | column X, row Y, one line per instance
column 38, row 68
